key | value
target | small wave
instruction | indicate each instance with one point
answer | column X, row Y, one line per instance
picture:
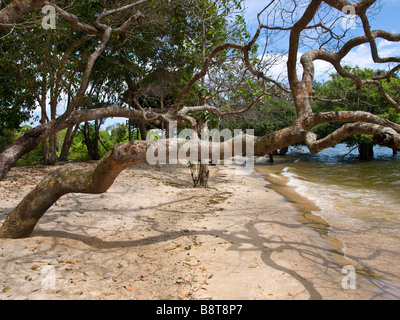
column 358, row 199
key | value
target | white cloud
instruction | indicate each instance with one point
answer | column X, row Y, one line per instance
column 391, row 2
column 362, row 57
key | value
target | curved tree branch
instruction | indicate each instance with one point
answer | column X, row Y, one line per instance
column 391, row 137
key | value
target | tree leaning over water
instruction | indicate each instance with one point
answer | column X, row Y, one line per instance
column 313, row 24
column 366, row 99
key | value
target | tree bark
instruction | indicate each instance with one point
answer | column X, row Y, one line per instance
column 52, row 152
column 200, row 174
column 67, row 144
column 16, row 10
column 23, row 219
column 366, row 151
column 142, row 129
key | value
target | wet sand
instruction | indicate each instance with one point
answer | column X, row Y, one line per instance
column 153, row 236
column 370, row 280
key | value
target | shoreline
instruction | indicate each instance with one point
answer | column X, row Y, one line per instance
column 306, row 215
column 153, row 236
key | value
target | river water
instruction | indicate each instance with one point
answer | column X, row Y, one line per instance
column 359, row 200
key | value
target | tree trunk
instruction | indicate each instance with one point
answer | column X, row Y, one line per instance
column 204, row 174
column 366, row 151
column 200, row 174
column 44, row 152
column 142, row 129
column 92, row 139
column 22, row 220
column 67, row 144
column 52, row 151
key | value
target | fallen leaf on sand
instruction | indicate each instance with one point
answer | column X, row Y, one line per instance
column 192, row 265
column 175, row 247
column 183, row 296
column 35, row 267
column 6, row 289
column 129, row 287
column 67, row 261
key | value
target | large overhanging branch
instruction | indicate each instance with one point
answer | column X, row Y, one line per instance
column 347, row 116
column 388, row 136
column 22, row 220
column 335, row 59
column 34, row 137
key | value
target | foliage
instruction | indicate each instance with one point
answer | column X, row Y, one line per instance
column 113, row 135
column 118, row 133
column 367, row 99
column 33, row 157
column 269, row 115
column 16, row 101
column 7, row 138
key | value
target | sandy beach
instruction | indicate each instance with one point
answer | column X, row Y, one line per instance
column 153, row 236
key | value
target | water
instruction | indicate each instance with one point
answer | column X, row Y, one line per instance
column 359, row 199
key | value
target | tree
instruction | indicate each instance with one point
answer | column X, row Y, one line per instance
column 308, row 24
column 38, row 135
column 367, row 99
column 141, row 59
